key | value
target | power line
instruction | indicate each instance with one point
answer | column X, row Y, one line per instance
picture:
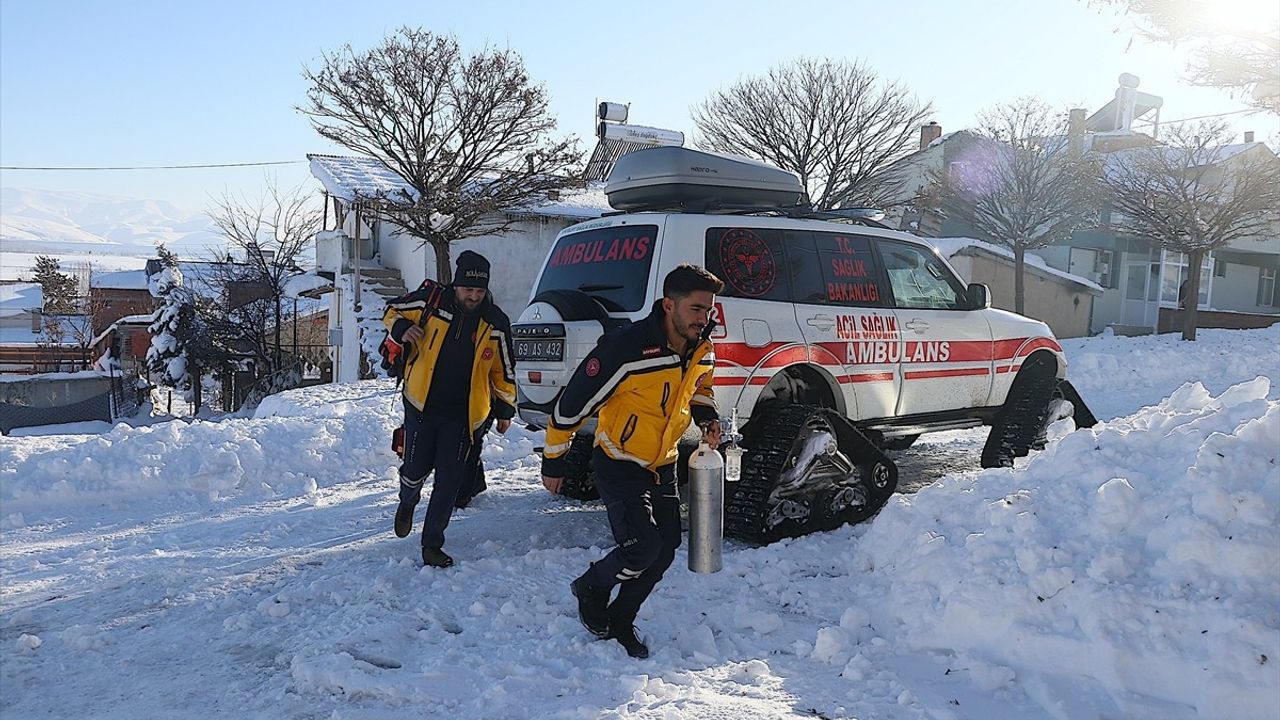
column 153, row 167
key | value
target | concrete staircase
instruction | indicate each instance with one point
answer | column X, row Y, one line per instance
column 377, row 286
column 381, row 281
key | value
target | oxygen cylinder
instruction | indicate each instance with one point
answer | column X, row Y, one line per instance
column 706, row 509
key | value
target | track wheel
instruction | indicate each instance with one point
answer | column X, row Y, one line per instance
column 1022, row 417
column 808, row 469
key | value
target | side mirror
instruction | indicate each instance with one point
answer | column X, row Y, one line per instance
column 979, row 296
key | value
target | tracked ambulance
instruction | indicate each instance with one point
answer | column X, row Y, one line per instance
column 836, row 338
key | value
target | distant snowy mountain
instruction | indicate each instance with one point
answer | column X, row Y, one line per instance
column 31, row 220
column 87, row 228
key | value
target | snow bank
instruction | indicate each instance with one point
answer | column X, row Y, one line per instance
column 327, row 435
column 1140, row 556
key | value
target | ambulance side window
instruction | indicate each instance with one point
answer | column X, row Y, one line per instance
column 836, row 269
column 919, row 279
column 751, row 262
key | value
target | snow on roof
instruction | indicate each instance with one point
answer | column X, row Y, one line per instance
column 950, row 246
column 586, row 203
column 18, row 298
column 71, row 326
column 120, row 280
column 351, row 178
column 1177, row 156
column 298, row 284
column 126, row 320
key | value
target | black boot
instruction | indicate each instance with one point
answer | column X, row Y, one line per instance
column 626, row 637
column 404, row 518
column 435, row 557
column 593, row 606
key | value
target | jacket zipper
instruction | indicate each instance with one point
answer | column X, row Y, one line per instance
column 666, row 396
column 629, row 429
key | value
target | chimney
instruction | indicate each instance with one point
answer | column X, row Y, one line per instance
column 1248, row 136
column 929, row 133
column 1075, row 129
column 35, row 321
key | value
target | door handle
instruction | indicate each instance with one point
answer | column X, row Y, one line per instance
column 917, row 326
column 822, row 322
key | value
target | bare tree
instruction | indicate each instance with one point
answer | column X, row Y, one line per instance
column 833, row 123
column 1233, row 50
column 82, row 326
column 1195, row 194
column 1029, row 187
column 469, row 134
column 271, row 234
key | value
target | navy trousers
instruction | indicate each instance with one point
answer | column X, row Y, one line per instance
column 645, row 518
column 439, row 444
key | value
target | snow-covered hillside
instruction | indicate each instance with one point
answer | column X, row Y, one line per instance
column 246, row 568
column 86, row 227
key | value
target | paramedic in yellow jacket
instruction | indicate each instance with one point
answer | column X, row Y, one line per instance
column 646, row 382
column 458, row 372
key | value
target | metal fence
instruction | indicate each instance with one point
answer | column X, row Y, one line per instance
column 43, row 400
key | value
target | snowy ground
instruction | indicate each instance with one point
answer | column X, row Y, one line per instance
column 246, row 568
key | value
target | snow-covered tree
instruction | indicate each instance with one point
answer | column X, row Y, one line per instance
column 1028, row 187
column 1194, row 194
column 172, row 327
column 57, row 288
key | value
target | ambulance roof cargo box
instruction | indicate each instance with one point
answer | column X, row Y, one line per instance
column 680, row 178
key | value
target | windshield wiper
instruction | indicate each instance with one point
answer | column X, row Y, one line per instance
column 592, row 287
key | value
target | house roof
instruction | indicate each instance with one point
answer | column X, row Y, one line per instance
column 70, row 324
column 18, row 298
column 952, row 246
column 352, row 178
column 119, row 280
column 361, row 178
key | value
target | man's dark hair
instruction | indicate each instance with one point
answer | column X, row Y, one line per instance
column 687, row 278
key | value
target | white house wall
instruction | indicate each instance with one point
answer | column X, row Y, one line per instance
column 1106, row 309
column 514, row 257
column 1238, row 290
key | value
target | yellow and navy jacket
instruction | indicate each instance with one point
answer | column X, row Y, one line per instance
column 644, row 392
column 493, row 388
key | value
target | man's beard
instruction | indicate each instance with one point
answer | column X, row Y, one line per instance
column 691, row 333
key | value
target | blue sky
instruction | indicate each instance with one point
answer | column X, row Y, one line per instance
column 164, row 83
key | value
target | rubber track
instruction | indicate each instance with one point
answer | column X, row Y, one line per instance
column 747, row 506
column 1022, row 417
column 580, row 480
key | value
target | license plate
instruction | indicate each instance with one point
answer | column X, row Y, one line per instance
column 549, row 350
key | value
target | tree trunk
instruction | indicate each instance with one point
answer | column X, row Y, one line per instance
column 444, row 263
column 1019, row 256
column 1194, row 259
column 196, row 390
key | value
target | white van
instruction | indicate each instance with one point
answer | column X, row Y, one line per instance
column 837, row 337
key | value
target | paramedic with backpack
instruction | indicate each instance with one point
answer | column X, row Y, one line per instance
column 458, row 370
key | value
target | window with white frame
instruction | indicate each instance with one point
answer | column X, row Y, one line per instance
column 1267, row 296
column 1175, row 273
